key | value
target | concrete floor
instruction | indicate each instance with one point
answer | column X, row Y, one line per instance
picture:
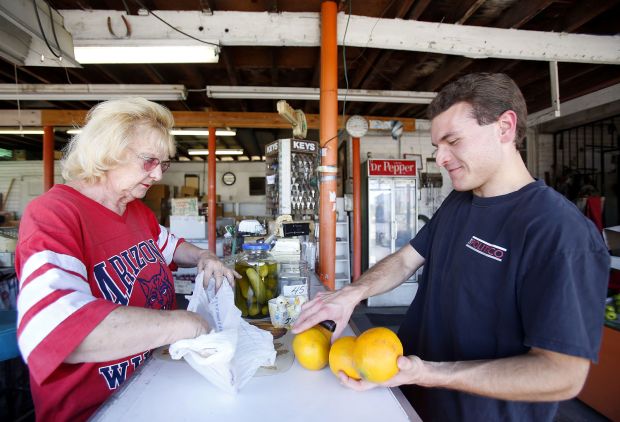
column 364, row 318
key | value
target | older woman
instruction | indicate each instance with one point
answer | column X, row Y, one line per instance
column 96, row 289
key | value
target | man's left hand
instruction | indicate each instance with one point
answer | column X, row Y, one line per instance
column 409, row 369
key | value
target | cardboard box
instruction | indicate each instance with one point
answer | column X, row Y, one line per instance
column 188, row 226
column 157, row 192
column 612, row 237
column 184, row 206
column 205, row 198
column 187, row 192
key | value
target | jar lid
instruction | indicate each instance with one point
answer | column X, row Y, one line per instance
column 255, row 246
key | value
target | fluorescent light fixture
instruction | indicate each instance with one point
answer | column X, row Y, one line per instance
column 181, row 132
column 91, row 92
column 109, row 54
column 237, row 151
column 295, row 93
column 21, row 131
column 201, row 132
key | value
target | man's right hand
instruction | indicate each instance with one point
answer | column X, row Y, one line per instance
column 335, row 305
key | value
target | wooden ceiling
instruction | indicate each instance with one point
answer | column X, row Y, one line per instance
column 366, row 68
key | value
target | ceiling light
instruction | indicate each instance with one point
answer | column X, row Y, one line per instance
column 201, row 132
column 237, row 151
column 91, row 92
column 296, row 93
column 182, row 132
column 147, row 54
column 21, row 131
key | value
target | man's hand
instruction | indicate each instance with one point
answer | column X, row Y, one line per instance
column 214, row 268
column 335, row 305
column 410, row 370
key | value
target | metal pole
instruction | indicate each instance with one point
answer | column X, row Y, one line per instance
column 211, row 191
column 329, row 143
column 48, row 157
column 357, row 210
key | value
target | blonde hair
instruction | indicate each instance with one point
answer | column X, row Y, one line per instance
column 110, row 125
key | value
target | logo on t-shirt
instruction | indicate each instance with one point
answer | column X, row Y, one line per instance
column 487, row 249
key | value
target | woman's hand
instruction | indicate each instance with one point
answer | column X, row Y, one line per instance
column 214, row 268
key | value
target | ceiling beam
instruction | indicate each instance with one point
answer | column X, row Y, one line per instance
column 303, row 29
column 366, row 72
column 594, row 99
column 194, row 119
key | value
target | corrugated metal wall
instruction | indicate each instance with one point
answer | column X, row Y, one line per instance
column 27, row 179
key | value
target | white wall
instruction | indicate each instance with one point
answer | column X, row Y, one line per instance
column 28, row 182
column 381, row 145
column 238, row 192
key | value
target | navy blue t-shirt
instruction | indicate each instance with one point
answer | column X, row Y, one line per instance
column 501, row 275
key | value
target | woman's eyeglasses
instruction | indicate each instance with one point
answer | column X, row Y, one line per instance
column 149, row 163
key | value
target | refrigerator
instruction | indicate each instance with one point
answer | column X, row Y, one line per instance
column 389, row 219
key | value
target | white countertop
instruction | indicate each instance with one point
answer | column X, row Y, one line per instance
column 167, row 390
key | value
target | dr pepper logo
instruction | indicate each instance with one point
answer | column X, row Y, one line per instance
column 391, row 167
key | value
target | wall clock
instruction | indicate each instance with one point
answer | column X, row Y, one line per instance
column 229, row 178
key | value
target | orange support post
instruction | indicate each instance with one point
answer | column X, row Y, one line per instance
column 48, row 157
column 357, row 210
column 329, row 143
column 211, row 191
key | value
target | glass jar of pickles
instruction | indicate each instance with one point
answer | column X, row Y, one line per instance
column 258, row 282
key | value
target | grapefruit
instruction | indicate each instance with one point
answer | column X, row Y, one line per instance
column 341, row 357
column 311, row 349
column 375, row 353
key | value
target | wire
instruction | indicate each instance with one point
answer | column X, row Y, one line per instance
column 139, row 3
column 49, row 8
column 36, row 12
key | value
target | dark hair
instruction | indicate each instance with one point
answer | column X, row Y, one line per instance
column 488, row 94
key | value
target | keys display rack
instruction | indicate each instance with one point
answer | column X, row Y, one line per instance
column 291, row 181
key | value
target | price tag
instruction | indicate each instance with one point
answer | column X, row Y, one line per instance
column 297, row 290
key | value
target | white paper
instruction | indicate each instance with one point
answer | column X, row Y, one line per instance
column 234, row 349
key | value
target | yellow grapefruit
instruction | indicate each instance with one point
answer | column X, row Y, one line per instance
column 375, row 354
column 341, row 357
column 311, row 349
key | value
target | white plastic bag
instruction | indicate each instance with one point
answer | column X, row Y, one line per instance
column 234, row 349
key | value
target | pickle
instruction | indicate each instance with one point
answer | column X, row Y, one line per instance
column 244, row 285
column 254, row 309
column 240, row 303
column 257, row 285
column 271, row 283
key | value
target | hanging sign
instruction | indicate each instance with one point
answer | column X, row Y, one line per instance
column 405, row 168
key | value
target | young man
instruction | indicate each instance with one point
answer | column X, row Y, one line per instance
column 509, row 308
